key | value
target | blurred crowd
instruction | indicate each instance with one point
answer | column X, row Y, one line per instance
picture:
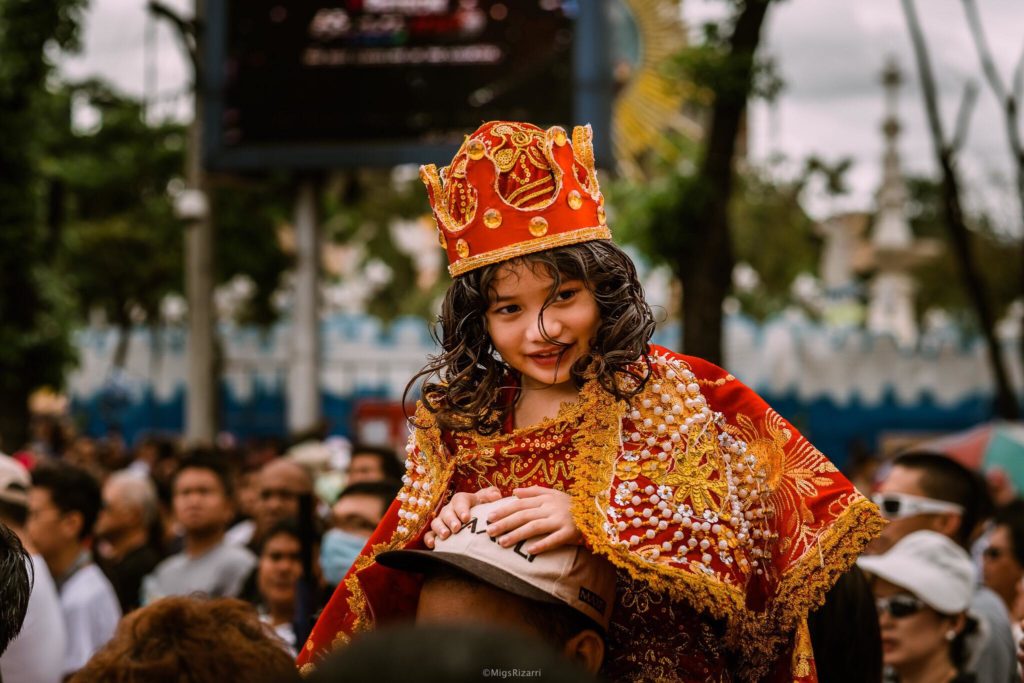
column 111, row 529
column 158, row 559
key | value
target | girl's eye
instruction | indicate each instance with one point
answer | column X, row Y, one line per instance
column 566, row 294
column 504, row 310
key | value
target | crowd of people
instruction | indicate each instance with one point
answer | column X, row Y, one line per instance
column 614, row 508
column 218, row 549
column 108, row 537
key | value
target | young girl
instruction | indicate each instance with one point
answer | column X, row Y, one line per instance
column 725, row 525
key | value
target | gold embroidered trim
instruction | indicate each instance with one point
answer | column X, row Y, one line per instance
column 428, row 453
column 530, row 246
column 594, row 474
column 763, row 634
column 511, row 199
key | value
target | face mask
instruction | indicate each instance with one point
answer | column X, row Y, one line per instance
column 338, row 552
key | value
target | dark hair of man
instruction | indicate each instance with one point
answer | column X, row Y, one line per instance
column 284, row 527
column 845, row 632
column 945, row 479
column 390, row 465
column 15, row 585
column 463, row 383
column 383, row 490
column 445, row 653
column 556, row 623
column 206, row 459
column 72, row 489
column 1011, row 516
column 13, row 513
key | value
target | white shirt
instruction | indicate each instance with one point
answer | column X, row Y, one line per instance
column 91, row 613
column 29, row 658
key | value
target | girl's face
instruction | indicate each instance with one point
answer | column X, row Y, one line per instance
column 518, row 327
column 911, row 631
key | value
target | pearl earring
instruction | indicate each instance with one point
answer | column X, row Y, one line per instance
column 951, row 635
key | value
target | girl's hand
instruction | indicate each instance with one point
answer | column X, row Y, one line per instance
column 456, row 513
column 539, row 510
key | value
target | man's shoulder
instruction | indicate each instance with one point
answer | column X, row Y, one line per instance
column 88, row 588
column 228, row 552
column 171, row 563
column 989, row 605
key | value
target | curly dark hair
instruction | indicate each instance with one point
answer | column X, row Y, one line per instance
column 193, row 640
column 461, row 384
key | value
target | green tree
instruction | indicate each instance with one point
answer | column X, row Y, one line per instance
column 359, row 210
column 688, row 214
column 119, row 242
column 764, row 210
column 34, row 344
column 119, row 246
column 999, row 253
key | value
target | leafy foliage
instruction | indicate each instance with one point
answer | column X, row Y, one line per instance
column 34, row 342
column 938, row 286
column 359, row 211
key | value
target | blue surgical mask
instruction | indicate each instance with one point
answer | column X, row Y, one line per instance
column 338, row 552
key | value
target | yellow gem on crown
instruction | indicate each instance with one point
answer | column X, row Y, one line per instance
column 575, row 200
column 476, row 150
column 601, row 217
column 538, row 226
column 492, row 218
column 462, row 247
column 441, row 240
column 560, row 138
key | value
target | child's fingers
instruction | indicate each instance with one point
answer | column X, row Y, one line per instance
column 428, row 539
column 487, row 495
column 461, row 503
column 512, row 507
column 439, row 526
column 526, row 531
column 550, row 542
column 514, row 521
column 531, row 491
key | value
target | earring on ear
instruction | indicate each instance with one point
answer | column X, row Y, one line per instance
column 951, row 635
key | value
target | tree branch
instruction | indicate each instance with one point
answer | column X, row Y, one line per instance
column 963, row 117
column 988, row 65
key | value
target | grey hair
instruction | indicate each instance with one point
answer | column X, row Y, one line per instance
column 138, row 491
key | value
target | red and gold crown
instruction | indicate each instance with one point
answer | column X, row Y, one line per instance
column 515, row 189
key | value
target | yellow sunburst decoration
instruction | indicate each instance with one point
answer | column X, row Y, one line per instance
column 651, row 102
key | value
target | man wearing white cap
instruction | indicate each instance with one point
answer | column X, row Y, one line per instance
column 30, row 657
column 564, row 595
column 926, row 490
column 923, row 587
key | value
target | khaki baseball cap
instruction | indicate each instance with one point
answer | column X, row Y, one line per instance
column 14, row 481
column 570, row 575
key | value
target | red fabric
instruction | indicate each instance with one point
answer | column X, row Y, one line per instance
column 524, row 173
column 685, row 614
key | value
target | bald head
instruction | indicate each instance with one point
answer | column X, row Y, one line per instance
column 281, row 483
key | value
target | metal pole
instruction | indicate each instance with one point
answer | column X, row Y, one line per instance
column 200, row 423
column 304, row 370
column 192, row 205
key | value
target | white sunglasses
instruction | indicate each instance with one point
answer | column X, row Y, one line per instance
column 901, row 505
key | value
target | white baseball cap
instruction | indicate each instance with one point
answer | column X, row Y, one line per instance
column 15, row 481
column 569, row 575
column 929, row 565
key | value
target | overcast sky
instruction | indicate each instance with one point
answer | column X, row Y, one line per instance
column 830, row 54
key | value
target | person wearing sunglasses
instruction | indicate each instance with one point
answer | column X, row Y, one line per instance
column 929, row 491
column 923, row 588
column 1002, row 560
